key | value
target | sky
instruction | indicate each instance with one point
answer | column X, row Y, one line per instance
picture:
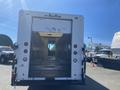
column 101, row 17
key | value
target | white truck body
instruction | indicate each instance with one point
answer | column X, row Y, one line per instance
column 49, row 37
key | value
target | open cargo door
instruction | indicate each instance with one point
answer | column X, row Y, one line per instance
column 50, row 53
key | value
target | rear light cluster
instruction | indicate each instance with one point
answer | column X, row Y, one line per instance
column 25, row 51
column 75, row 53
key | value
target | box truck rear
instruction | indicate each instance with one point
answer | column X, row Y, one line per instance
column 49, row 49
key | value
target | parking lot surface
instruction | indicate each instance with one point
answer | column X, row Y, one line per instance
column 97, row 78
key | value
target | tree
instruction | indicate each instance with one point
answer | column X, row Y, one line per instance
column 5, row 40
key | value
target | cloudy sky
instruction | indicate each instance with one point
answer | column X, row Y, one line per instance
column 101, row 17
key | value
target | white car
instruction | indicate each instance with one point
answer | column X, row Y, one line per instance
column 6, row 54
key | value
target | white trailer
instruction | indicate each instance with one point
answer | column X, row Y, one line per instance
column 49, row 49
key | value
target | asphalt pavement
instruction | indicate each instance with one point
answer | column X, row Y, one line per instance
column 97, row 78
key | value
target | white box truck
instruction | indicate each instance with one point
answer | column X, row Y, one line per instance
column 49, row 49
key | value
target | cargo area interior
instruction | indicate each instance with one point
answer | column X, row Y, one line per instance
column 50, row 55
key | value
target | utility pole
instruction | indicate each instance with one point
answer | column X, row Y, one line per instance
column 91, row 41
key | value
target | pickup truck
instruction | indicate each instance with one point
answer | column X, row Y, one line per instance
column 6, row 54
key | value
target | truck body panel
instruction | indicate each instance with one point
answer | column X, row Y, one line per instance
column 49, row 47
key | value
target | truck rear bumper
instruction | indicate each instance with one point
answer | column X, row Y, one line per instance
column 48, row 82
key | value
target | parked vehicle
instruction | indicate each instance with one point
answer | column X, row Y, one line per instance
column 6, row 54
column 104, row 53
column 49, row 49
